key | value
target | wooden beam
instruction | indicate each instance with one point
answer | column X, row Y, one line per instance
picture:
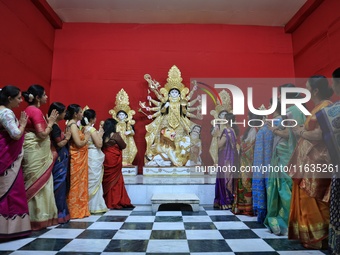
column 49, row 13
column 302, row 14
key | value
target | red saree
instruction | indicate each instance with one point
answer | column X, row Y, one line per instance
column 115, row 194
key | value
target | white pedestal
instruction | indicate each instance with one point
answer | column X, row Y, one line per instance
column 183, row 170
column 174, row 198
column 141, row 188
column 130, row 170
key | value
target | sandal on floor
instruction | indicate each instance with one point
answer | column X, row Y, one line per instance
column 224, row 207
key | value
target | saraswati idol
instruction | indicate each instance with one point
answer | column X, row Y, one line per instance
column 168, row 135
column 123, row 114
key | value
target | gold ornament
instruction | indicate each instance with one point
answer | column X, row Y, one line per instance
column 225, row 106
column 174, row 80
column 122, row 102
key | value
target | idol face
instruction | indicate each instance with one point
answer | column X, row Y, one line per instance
column 121, row 116
column 174, row 93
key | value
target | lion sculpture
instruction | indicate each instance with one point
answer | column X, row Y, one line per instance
column 166, row 152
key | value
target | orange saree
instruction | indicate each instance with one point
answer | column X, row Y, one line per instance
column 309, row 213
column 78, row 197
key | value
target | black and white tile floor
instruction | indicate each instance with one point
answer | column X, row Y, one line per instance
column 140, row 231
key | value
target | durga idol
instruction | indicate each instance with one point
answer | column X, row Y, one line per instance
column 168, row 135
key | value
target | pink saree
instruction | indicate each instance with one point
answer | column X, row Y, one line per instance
column 14, row 218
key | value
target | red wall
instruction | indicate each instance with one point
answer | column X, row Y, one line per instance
column 92, row 62
column 26, row 46
column 316, row 43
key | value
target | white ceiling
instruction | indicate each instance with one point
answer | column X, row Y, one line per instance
column 242, row 12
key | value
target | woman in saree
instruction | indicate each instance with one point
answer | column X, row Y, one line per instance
column 329, row 119
column 309, row 212
column 60, row 170
column 96, row 159
column 227, row 157
column 262, row 155
column 78, row 196
column 279, row 186
column 38, row 160
column 115, row 194
column 243, row 203
column 14, row 218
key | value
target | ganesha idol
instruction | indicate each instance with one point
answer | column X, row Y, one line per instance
column 168, row 139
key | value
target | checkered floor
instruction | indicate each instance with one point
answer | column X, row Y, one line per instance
column 139, row 231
